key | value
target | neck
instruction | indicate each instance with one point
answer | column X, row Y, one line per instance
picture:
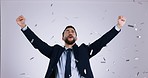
column 69, row 46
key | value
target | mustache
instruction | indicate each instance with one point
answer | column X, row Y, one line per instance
column 70, row 36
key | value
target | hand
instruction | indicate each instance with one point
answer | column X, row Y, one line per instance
column 121, row 21
column 21, row 21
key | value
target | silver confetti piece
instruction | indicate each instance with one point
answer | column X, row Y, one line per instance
column 130, row 26
column 22, row 73
column 137, row 73
column 32, row 40
column 103, row 62
column 35, row 25
column 138, row 36
column 31, row 58
column 127, row 60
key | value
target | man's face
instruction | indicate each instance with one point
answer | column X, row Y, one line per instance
column 69, row 36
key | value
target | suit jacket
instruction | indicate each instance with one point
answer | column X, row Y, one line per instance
column 82, row 53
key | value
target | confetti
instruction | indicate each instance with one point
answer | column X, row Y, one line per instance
column 51, row 5
column 52, row 37
column 138, row 36
column 103, row 62
column 35, row 25
column 32, row 40
column 52, row 13
column 142, row 23
column 127, row 60
column 104, row 59
column 31, row 58
column 137, row 50
column 113, row 72
column 136, row 29
column 137, row 73
column 91, row 52
column 91, row 33
column 130, row 26
column 136, row 58
column 145, row 72
column 107, row 69
column 22, row 73
column 66, row 18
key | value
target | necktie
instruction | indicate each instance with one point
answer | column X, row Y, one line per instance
column 68, row 64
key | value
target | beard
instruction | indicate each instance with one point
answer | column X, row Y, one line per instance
column 69, row 42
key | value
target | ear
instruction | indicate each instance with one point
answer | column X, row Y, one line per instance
column 63, row 38
column 76, row 38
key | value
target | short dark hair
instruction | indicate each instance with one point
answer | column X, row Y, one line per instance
column 69, row 26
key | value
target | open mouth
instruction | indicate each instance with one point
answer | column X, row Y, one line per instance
column 70, row 36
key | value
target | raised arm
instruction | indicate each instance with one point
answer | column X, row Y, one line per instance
column 33, row 39
column 96, row 46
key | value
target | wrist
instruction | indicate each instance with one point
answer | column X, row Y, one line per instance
column 23, row 25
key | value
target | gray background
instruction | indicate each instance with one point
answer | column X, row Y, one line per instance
column 125, row 56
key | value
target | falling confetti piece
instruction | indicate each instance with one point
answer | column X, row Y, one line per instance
column 91, row 52
column 138, row 36
column 107, row 69
column 137, row 73
column 103, row 62
column 31, row 58
column 91, row 33
column 104, row 59
column 66, row 18
column 35, row 25
column 136, row 29
column 52, row 37
column 145, row 72
column 52, row 13
column 142, row 23
column 137, row 50
column 113, row 72
column 51, row 5
column 136, row 58
column 22, row 73
column 32, row 40
column 127, row 60
column 130, row 26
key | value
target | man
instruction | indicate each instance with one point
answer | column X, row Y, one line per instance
column 70, row 61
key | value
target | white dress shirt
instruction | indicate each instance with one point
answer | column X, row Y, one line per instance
column 60, row 73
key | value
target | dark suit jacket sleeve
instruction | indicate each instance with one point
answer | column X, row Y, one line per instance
column 37, row 43
column 96, row 46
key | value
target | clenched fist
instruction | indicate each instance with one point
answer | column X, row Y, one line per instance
column 21, row 21
column 121, row 21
